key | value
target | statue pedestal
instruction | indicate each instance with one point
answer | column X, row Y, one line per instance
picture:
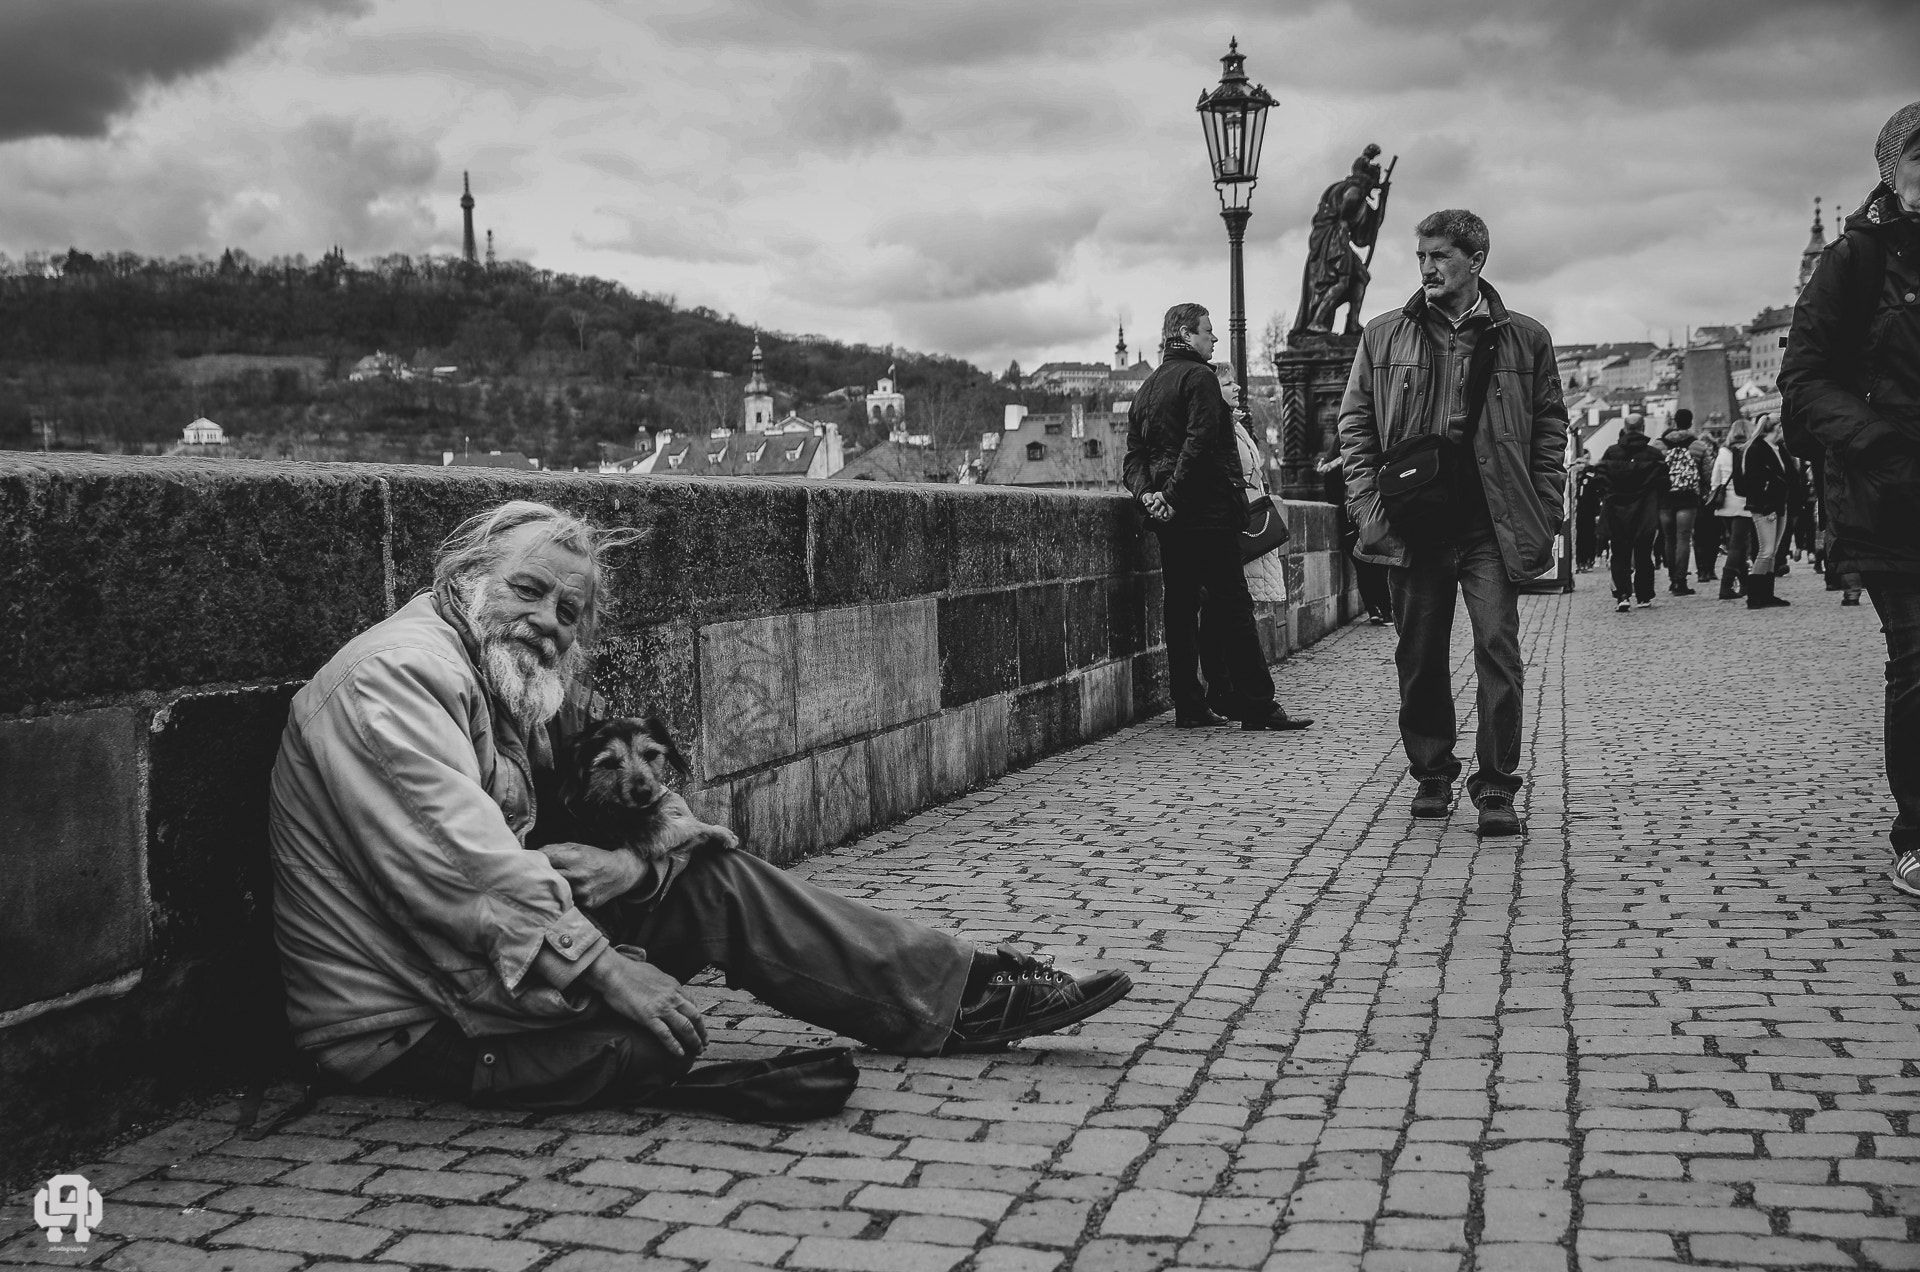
column 1313, row 372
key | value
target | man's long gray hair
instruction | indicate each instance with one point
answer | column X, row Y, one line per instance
column 476, row 545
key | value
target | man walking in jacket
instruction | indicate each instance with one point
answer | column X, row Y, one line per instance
column 425, row 948
column 1457, row 363
column 1633, row 475
column 1851, row 376
column 1184, row 466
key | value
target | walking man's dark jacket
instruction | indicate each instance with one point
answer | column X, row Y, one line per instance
column 1519, row 445
column 1851, row 377
column 1180, row 443
column 1633, row 475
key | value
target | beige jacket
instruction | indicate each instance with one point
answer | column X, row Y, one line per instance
column 402, row 890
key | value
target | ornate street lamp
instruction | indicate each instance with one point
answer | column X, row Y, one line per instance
column 1234, row 119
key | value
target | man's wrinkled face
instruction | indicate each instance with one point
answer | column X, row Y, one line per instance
column 1448, row 275
column 1906, row 175
column 526, row 612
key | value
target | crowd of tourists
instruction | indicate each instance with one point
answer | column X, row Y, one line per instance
column 1725, row 504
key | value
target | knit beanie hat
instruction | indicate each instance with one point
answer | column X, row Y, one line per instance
column 1894, row 138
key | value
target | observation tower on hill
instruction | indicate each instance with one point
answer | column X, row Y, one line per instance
column 468, row 252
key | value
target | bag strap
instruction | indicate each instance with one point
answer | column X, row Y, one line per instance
column 1480, row 378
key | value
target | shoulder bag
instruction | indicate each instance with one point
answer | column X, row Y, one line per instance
column 1266, row 529
column 1416, row 477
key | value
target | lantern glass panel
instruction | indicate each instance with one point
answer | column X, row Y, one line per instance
column 1233, row 149
column 1210, row 129
column 1256, row 134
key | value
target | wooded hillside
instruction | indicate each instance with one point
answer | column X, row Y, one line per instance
column 111, row 352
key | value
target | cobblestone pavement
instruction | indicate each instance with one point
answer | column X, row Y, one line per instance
column 1675, row 1025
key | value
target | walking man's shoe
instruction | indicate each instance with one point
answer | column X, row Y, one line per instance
column 1434, row 797
column 1027, row 995
column 1496, row 814
column 1623, row 607
column 1275, row 719
column 1201, row 719
column 1646, row 604
column 1905, row 872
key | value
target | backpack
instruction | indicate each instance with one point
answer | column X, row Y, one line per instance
column 1683, row 470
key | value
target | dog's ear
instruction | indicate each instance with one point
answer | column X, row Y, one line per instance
column 657, row 730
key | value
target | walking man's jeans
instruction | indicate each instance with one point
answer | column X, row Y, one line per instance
column 1423, row 606
column 817, row 956
column 1897, row 599
column 1676, row 529
column 1206, row 563
column 1632, row 565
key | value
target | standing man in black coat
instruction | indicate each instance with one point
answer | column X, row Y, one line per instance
column 1633, row 475
column 1184, row 466
column 1851, row 376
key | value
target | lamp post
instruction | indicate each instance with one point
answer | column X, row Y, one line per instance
column 1234, row 119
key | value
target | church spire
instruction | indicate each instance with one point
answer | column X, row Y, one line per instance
column 759, row 398
column 1816, row 244
column 1120, row 350
column 467, row 249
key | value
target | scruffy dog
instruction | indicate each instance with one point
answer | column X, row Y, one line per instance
column 615, row 786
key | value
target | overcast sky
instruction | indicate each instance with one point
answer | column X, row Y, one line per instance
column 992, row 179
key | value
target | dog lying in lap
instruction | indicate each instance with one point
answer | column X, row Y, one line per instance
column 613, row 784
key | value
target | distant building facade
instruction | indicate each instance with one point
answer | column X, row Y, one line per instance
column 203, row 432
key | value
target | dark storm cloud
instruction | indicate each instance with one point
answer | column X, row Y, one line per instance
column 67, row 67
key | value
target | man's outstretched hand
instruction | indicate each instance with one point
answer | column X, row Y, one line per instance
column 596, row 875
column 649, row 998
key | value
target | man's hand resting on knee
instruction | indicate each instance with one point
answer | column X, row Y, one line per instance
column 650, row 998
column 596, row 875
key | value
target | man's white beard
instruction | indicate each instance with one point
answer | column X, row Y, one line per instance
column 529, row 691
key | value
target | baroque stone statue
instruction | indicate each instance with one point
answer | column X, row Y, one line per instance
column 1347, row 218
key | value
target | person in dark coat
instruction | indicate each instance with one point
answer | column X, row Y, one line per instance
column 1183, row 465
column 1632, row 475
column 1586, row 514
column 1851, row 378
column 1767, row 481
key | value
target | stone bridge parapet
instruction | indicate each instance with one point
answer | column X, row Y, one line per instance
column 833, row 657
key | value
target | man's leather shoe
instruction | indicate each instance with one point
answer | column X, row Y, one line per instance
column 1496, row 814
column 1027, row 995
column 1434, row 797
column 1275, row 719
column 1201, row 719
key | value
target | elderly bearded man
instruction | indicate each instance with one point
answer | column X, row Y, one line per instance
column 1455, row 362
column 425, row 948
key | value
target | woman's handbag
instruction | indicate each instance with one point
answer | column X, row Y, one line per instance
column 1718, row 499
column 1266, row 529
